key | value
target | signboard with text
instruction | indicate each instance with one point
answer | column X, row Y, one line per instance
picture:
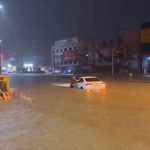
column 70, row 55
column 145, row 39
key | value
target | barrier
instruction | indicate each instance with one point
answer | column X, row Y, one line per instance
column 19, row 94
column 5, row 93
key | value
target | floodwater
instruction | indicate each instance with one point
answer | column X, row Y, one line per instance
column 61, row 118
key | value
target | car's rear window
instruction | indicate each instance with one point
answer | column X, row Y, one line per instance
column 91, row 79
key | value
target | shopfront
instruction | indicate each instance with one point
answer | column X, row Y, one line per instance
column 145, row 47
column 146, row 65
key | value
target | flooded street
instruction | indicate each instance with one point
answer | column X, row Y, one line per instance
column 59, row 117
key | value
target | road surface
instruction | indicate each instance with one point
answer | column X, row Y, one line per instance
column 61, row 118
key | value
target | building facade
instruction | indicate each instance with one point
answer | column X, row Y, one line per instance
column 70, row 55
column 132, row 47
column 117, row 56
column 64, row 55
column 114, row 56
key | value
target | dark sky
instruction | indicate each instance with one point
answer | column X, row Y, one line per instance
column 45, row 21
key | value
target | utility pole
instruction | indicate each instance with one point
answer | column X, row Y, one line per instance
column 112, row 66
column 1, row 9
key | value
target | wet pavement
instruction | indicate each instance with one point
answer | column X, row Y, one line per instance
column 62, row 118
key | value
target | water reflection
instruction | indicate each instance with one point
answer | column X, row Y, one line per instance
column 96, row 95
column 90, row 95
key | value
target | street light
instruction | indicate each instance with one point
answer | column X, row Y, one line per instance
column 1, row 6
column 1, row 9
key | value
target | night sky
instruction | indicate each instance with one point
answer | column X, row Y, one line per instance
column 44, row 21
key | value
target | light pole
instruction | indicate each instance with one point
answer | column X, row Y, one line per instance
column 0, row 57
column 1, row 9
column 112, row 67
column 112, row 50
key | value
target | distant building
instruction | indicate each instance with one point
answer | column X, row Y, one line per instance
column 90, row 55
column 119, row 52
column 70, row 55
column 132, row 47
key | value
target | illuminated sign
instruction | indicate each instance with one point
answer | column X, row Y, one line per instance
column 145, row 35
column 145, row 39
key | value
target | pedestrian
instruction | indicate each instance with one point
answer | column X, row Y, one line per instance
column 130, row 75
column 73, row 81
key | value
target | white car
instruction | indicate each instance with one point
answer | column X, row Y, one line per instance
column 90, row 82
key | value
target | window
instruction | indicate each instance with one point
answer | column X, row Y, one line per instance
column 80, row 80
column 75, row 49
column 70, row 49
column 91, row 79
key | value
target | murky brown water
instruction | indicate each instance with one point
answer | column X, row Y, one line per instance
column 61, row 118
